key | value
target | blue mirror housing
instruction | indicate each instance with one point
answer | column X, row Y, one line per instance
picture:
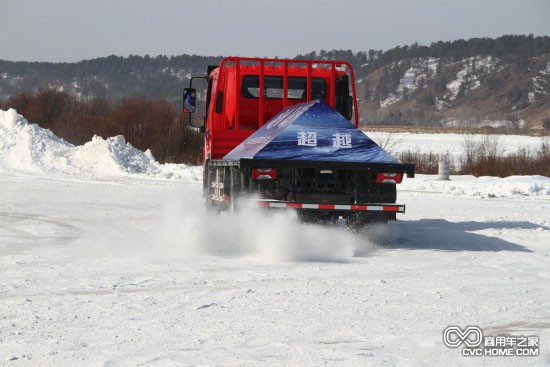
column 189, row 100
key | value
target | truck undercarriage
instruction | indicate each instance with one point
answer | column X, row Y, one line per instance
column 318, row 190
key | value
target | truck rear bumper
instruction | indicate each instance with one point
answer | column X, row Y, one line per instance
column 394, row 208
column 273, row 204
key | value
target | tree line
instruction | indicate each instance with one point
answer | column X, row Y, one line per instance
column 505, row 47
column 145, row 122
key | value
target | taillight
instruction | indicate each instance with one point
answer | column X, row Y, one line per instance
column 264, row 173
column 394, row 178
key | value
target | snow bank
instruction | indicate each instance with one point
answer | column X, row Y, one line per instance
column 27, row 147
column 483, row 187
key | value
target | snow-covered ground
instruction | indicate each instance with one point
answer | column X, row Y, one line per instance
column 126, row 269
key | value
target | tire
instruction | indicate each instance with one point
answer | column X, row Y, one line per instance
column 357, row 221
column 314, row 216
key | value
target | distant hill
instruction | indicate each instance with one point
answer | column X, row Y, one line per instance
column 480, row 81
column 113, row 77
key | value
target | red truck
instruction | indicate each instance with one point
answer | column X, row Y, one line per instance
column 280, row 131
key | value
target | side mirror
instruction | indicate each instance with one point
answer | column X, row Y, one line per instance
column 189, row 100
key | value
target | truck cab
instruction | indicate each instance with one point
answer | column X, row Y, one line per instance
column 235, row 108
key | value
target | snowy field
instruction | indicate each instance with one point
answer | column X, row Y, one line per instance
column 450, row 144
column 107, row 258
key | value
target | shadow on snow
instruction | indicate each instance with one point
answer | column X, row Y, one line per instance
column 439, row 234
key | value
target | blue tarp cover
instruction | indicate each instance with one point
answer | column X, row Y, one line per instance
column 310, row 131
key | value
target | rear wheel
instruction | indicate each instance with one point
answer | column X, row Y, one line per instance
column 315, row 216
column 381, row 193
column 357, row 221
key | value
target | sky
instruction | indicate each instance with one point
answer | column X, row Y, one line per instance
column 73, row 30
